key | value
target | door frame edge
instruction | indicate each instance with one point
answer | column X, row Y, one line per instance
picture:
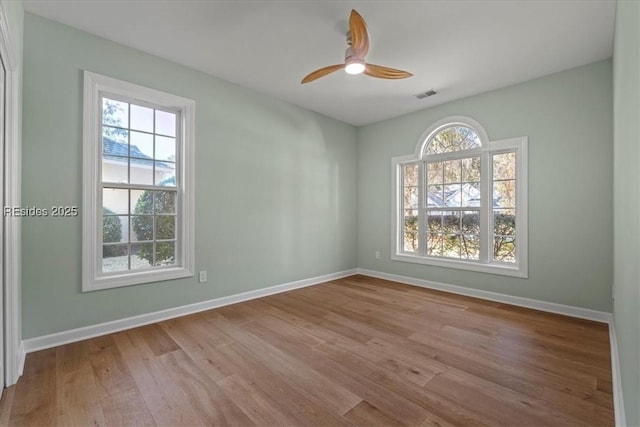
column 14, row 361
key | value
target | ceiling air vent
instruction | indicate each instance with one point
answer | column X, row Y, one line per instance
column 426, row 94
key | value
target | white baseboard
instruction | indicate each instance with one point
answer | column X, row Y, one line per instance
column 551, row 307
column 22, row 355
column 616, row 378
column 79, row 334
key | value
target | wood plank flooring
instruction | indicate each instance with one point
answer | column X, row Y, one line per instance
column 355, row 351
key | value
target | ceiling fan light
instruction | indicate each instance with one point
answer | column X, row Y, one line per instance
column 354, row 67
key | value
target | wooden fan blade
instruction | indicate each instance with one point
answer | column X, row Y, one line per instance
column 321, row 73
column 385, row 72
column 359, row 35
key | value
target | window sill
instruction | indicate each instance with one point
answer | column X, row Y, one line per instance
column 500, row 269
column 135, row 278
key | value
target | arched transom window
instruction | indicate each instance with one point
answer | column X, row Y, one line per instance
column 461, row 200
column 452, row 138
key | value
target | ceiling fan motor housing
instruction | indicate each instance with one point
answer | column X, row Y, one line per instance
column 353, row 64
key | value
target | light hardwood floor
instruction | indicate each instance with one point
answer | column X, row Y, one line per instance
column 355, row 351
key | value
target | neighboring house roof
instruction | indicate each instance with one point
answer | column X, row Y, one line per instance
column 117, row 151
column 468, row 192
column 169, row 182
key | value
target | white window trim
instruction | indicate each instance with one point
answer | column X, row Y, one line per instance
column 92, row 280
column 519, row 269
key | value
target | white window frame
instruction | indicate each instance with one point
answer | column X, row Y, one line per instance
column 92, row 277
column 487, row 148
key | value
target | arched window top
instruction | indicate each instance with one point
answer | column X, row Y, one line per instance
column 452, row 138
column 451, row 135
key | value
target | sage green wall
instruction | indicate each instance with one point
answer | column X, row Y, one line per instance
column 568, row 119
column 626, row 275
column 275, row 184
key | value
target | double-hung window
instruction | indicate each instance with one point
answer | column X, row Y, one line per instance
column 138, row 184
column 461, row 200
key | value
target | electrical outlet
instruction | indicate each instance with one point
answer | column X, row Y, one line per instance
column 377, row 254
column 202, row 276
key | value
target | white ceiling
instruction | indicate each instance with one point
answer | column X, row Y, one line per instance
column 458, row 48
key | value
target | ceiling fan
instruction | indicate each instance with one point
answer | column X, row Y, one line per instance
column 354, row 63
